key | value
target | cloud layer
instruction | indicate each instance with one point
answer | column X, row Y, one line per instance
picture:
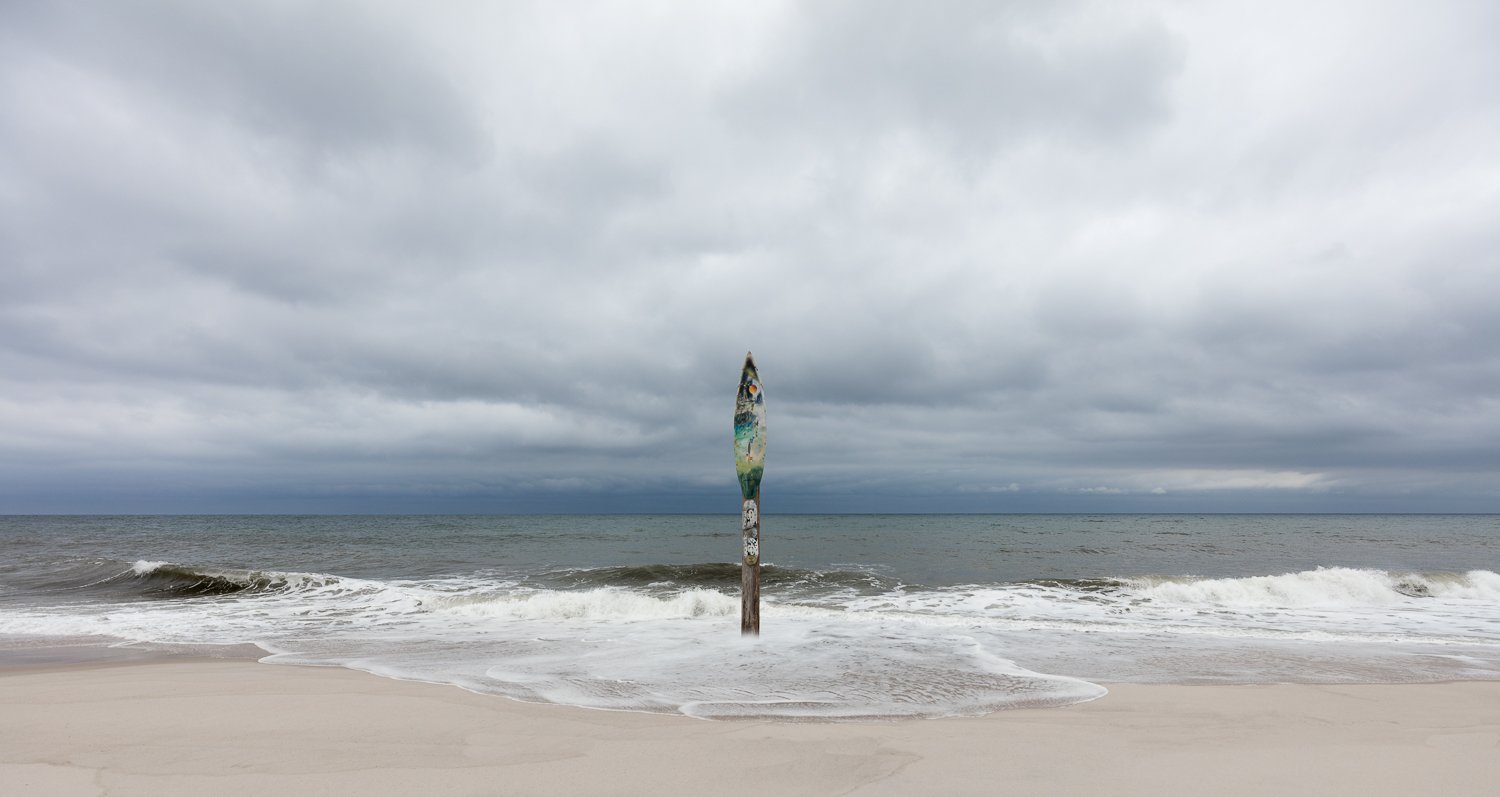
column 990, row 256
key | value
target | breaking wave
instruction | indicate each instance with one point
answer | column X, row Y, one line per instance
column 602, row 603
column 722, row 576
column 1327, row 587
column 171, row 580
column 841, row 642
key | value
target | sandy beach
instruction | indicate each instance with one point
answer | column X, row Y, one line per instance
column 236, row 727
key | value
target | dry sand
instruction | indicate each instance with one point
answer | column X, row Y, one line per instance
column 233, row 727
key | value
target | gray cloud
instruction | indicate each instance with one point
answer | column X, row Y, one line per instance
column 324, row 81
column 989, row 256
column 970, row 74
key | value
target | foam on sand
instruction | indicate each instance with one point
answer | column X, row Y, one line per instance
column 257, row 729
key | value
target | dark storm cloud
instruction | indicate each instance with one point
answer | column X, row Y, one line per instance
column 989, row 256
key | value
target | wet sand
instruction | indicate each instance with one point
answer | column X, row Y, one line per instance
column 230, row 727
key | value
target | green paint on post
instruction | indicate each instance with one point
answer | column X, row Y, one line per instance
column 750, row 431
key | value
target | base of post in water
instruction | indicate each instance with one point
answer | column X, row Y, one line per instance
column 750, row 569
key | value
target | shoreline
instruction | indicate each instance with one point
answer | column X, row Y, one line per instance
column 188, row 724
column 44, row 656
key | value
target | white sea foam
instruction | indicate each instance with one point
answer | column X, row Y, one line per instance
column 703, row 667
column 1332, row 587
column 604, row 603
column 901, row 652
column 1482, row 585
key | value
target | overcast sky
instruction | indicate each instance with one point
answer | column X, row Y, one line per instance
column 504, row 257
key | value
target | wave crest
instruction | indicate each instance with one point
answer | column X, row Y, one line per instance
column 717, row 575
column 603, row 603
column 1325, row 587
column 165, row 579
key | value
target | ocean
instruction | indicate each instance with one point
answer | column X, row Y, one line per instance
column 864, row 616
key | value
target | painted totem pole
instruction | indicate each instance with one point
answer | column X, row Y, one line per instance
column 749, row 463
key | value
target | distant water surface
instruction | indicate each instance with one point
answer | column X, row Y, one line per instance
column 864, row 615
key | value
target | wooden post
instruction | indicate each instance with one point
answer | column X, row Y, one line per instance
column 750, row 569
column 749, row 464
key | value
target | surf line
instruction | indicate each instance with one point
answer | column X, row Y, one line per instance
column 749, row 464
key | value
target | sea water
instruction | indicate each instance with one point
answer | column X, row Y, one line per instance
column 863, row 616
